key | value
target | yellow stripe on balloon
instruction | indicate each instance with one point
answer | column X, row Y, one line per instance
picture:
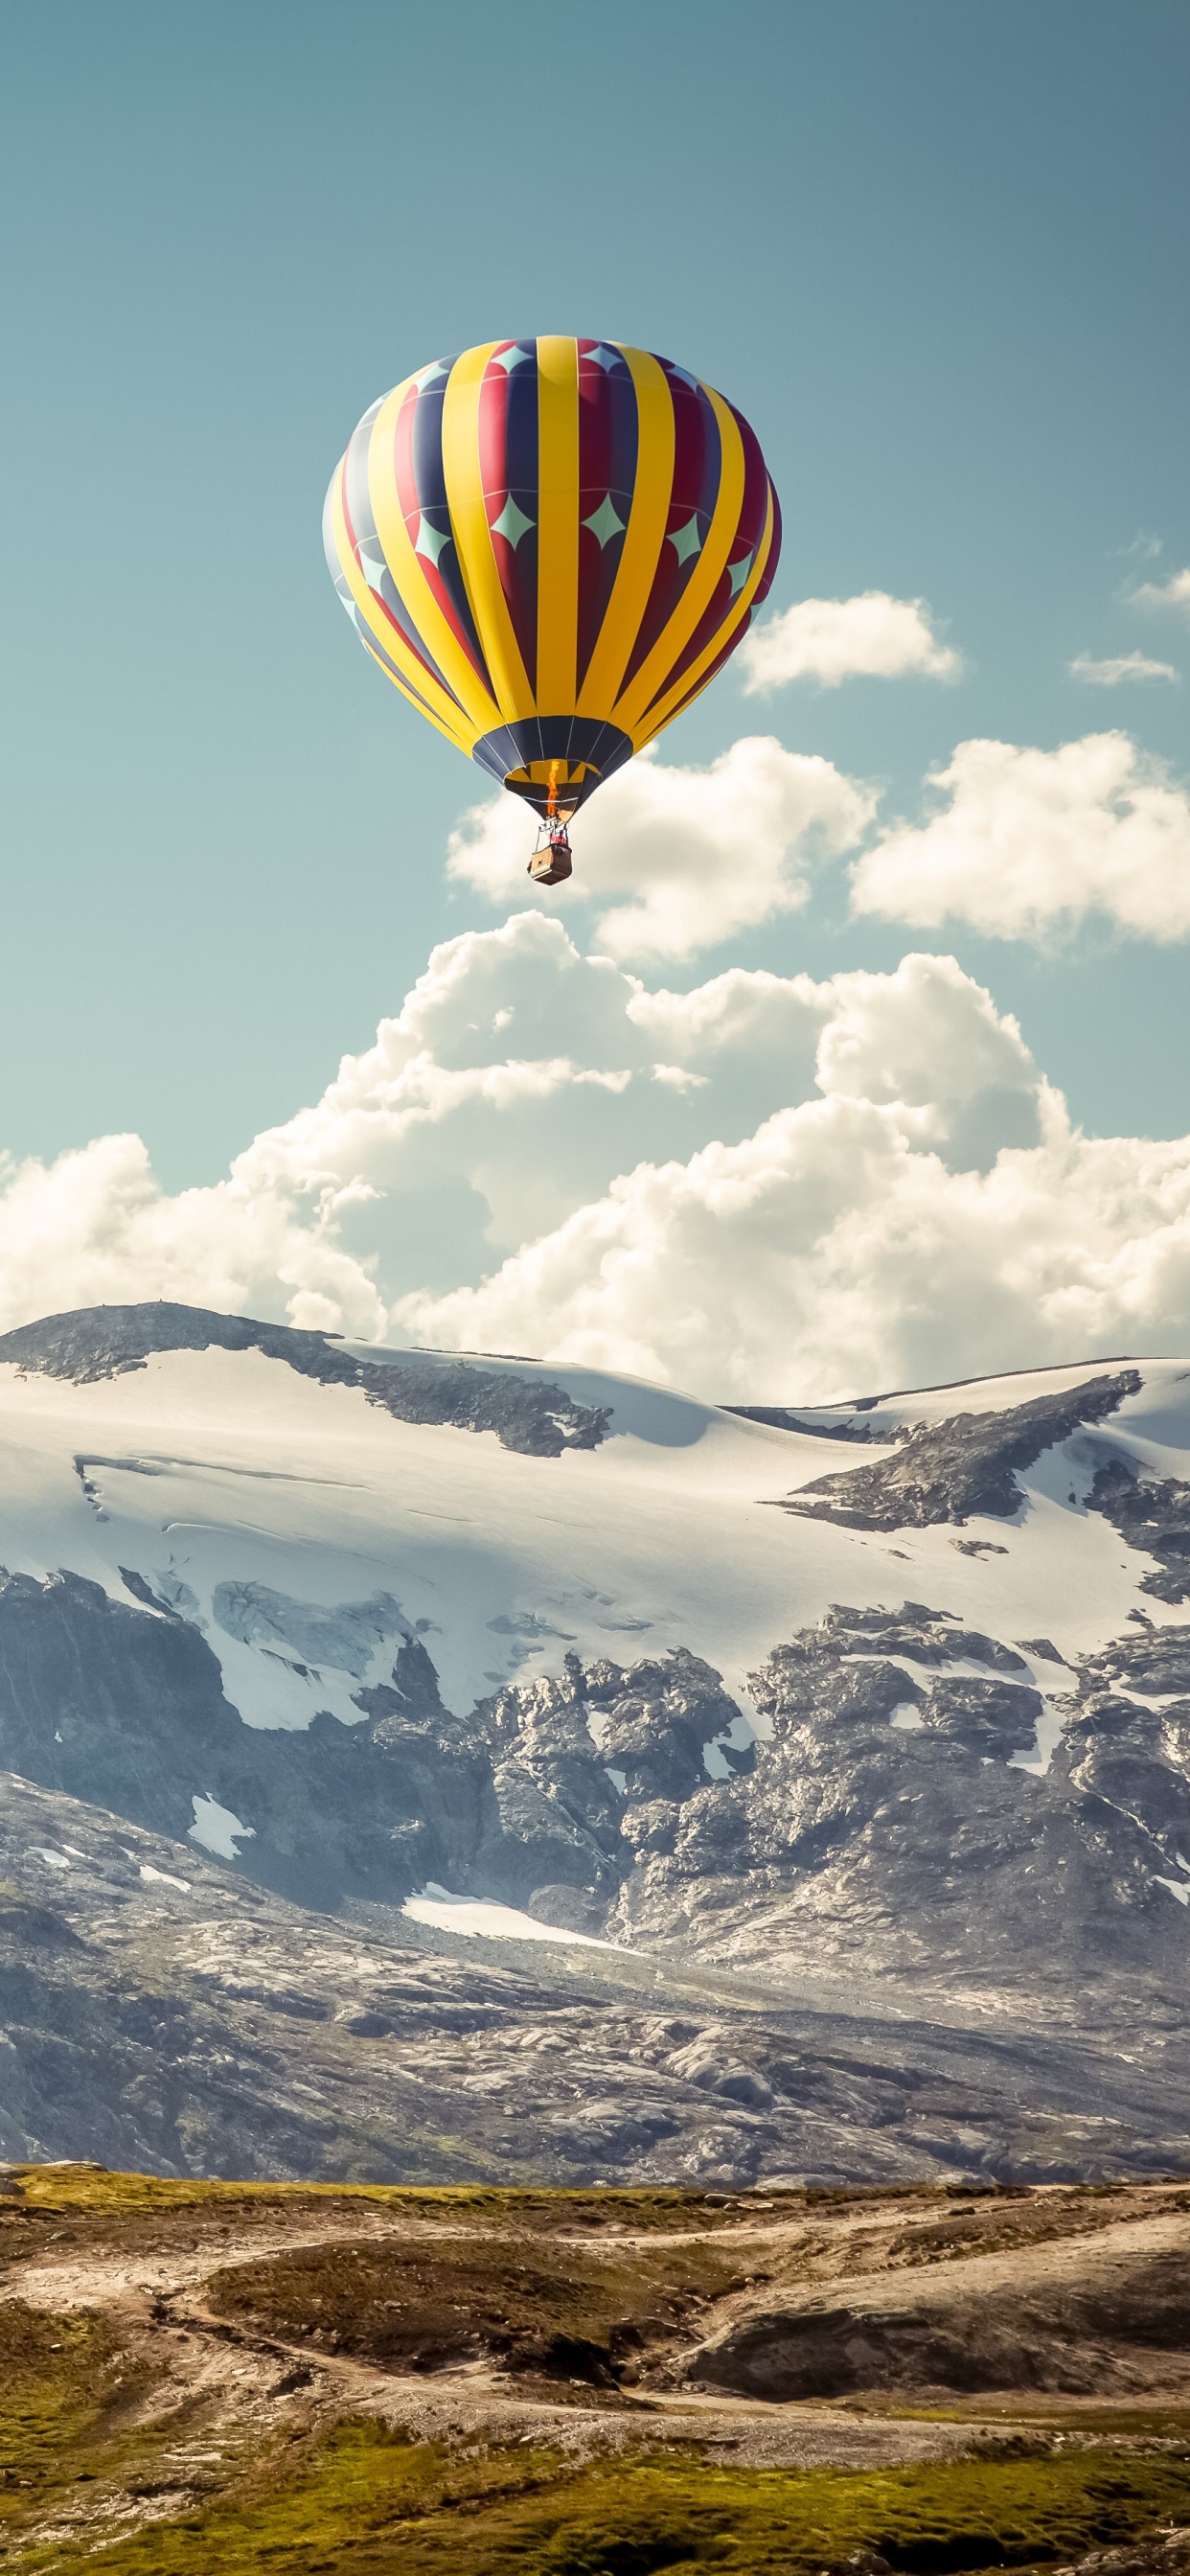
column 428, row 617
column 428, row 689
column 645, row 537
column 700, row 589
column 473, row 536
column 557, row 524
column 688, row 686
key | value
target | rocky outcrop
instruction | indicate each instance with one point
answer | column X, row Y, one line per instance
column 1151, row 1513
column 1074, row 2327
column 528, row 1413
column 887, row 1825
column 963, row 1466
column 123, row 1706
column 826, row 1426
column 578, row 1761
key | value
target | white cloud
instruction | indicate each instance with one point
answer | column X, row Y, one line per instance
column 517, row 1080
column 764, row 1189
column 835, row 1251
column 829, row 640
column 1118, row 667
column 1174, row 593
column 95, row 1228
column 1028, row 843
column 697, row 854
column 858, row 1237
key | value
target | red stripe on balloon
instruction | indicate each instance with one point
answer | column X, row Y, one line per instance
column 508, row 471
column 694, row 491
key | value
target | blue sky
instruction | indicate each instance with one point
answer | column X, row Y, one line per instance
column 936, row 250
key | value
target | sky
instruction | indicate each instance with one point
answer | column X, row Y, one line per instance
column 937, row 253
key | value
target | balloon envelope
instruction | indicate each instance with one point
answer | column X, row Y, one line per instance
column 551, row 546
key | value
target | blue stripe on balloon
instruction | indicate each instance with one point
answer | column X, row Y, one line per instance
column 430, row 477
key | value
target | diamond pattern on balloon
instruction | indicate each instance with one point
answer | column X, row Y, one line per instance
column 372, row 571
column 430, row 541
column 605, row 522
column 686, row 539
column 512, row 523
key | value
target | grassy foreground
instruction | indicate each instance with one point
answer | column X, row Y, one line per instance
column 357, row 2499
column 212, row 2437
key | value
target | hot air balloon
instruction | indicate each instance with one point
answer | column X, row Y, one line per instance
column 551, row 546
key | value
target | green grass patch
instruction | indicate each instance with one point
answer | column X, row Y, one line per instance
column 67, row 2389
column 71, row 2190
column 68, row 2188
column 54, row 2372
column 368, row 2503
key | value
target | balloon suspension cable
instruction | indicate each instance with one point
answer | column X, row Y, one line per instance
column 551, row 861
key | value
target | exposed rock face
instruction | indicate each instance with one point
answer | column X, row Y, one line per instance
column 966, row 1465
column 778, row 1417
column 887, row 1820
column 1151, row 1513
column 528, row 1414
column 125, row 1708
column 885, row 1823
column 1154, row 1661
column 1165, row 2553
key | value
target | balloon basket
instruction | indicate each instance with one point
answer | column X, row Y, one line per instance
column 551, row 862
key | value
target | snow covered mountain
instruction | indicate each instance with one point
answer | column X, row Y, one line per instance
column 359, row 1621
column 891, row 1698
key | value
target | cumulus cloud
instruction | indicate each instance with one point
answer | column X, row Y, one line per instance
column 1026, row 844
column 766, row 1188
column 696, row 854
column 871, row 637
column 833, row 1252
column 1117, row 667
column 517, row 1080
column 1174, row 593
column 95, row 1228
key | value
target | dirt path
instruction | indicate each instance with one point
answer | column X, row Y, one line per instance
column 211, row 2366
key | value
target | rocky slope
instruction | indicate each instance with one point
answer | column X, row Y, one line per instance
column 179, row 2020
